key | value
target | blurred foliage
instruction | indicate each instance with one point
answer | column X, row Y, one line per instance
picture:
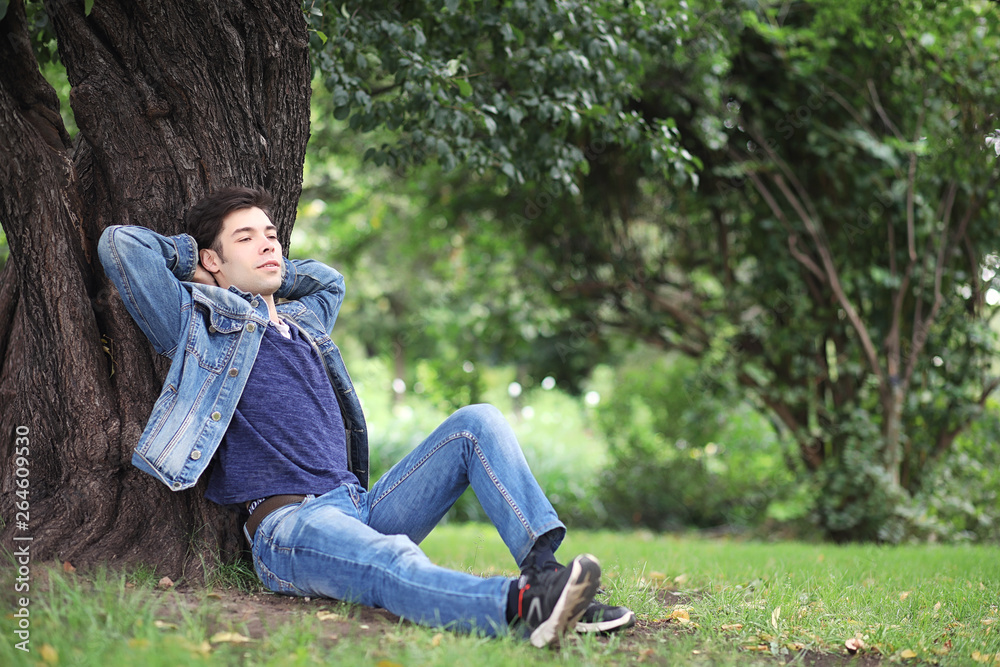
column 963, row 503
column 437, row 285
column 829, row 264
column 681, row 458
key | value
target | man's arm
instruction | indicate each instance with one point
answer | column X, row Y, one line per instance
column 147, row 268
column 317, row 286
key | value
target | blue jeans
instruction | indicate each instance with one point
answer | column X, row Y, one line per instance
column 361, row 546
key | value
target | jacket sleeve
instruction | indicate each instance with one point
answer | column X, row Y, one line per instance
column 316, row 286
column 147, row 268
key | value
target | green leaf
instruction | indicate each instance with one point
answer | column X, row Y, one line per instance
column 322, row 36
column 464, row 87
column 3, row 8
column 88, row 6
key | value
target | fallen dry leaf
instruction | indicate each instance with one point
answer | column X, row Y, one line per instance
column 854, row 644
column 214, row 596
column 202, row 648
column 165, row 583
column 731, row 628
column 645, row 653
column 229, row 637
column 904, row 595
column 679, row 615
column 758, row 648
column 328, row 616
column 68, row 567
column 907, row 654
column 436, row 640
column 49, row 654
column 164, row 625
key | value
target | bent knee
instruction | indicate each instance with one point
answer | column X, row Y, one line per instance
column 484, row 414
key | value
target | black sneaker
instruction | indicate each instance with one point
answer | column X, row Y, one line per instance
column 551, row 602
column 602, row 618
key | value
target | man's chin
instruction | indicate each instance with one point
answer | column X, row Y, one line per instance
column 269, row 289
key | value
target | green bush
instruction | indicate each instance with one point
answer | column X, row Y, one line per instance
column 681, row 458
column 960, row 501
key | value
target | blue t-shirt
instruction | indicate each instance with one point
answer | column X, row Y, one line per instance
column 287, row 435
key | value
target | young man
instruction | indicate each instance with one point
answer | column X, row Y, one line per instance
column 258, row 388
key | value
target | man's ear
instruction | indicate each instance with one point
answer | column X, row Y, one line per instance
column 209, row 259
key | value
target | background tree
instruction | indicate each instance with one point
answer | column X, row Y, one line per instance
column 831, row 262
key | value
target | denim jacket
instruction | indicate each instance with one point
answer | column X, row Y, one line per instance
column 212, row 336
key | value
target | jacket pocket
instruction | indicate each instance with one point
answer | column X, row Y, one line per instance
column 212, row 340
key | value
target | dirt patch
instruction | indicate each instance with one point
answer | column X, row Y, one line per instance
column 676, row 598
column 255, row 615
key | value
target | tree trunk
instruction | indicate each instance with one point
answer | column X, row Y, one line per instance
column 173, row 99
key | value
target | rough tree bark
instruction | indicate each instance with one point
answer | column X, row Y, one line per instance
column 173, row 99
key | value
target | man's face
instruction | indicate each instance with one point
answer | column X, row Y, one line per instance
column 251, row 254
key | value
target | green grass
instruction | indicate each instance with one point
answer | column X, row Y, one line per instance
column 746, row 601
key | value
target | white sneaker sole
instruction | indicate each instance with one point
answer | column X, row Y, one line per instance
column 626, row 621
column 580, row 589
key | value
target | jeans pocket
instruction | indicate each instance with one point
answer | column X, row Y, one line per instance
column 272, row 581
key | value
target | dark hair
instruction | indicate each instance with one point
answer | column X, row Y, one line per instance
column 204, row 220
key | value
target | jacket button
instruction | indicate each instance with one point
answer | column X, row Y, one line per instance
column 254, row 303
column 211, row 328
column 176, row 485
column 195, row 455
column 251, row 327
column 233, row 372
column 216, row 416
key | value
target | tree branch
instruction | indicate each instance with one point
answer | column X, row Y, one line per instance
column 881, row 111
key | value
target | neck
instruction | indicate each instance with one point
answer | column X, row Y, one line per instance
column 271, row 310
